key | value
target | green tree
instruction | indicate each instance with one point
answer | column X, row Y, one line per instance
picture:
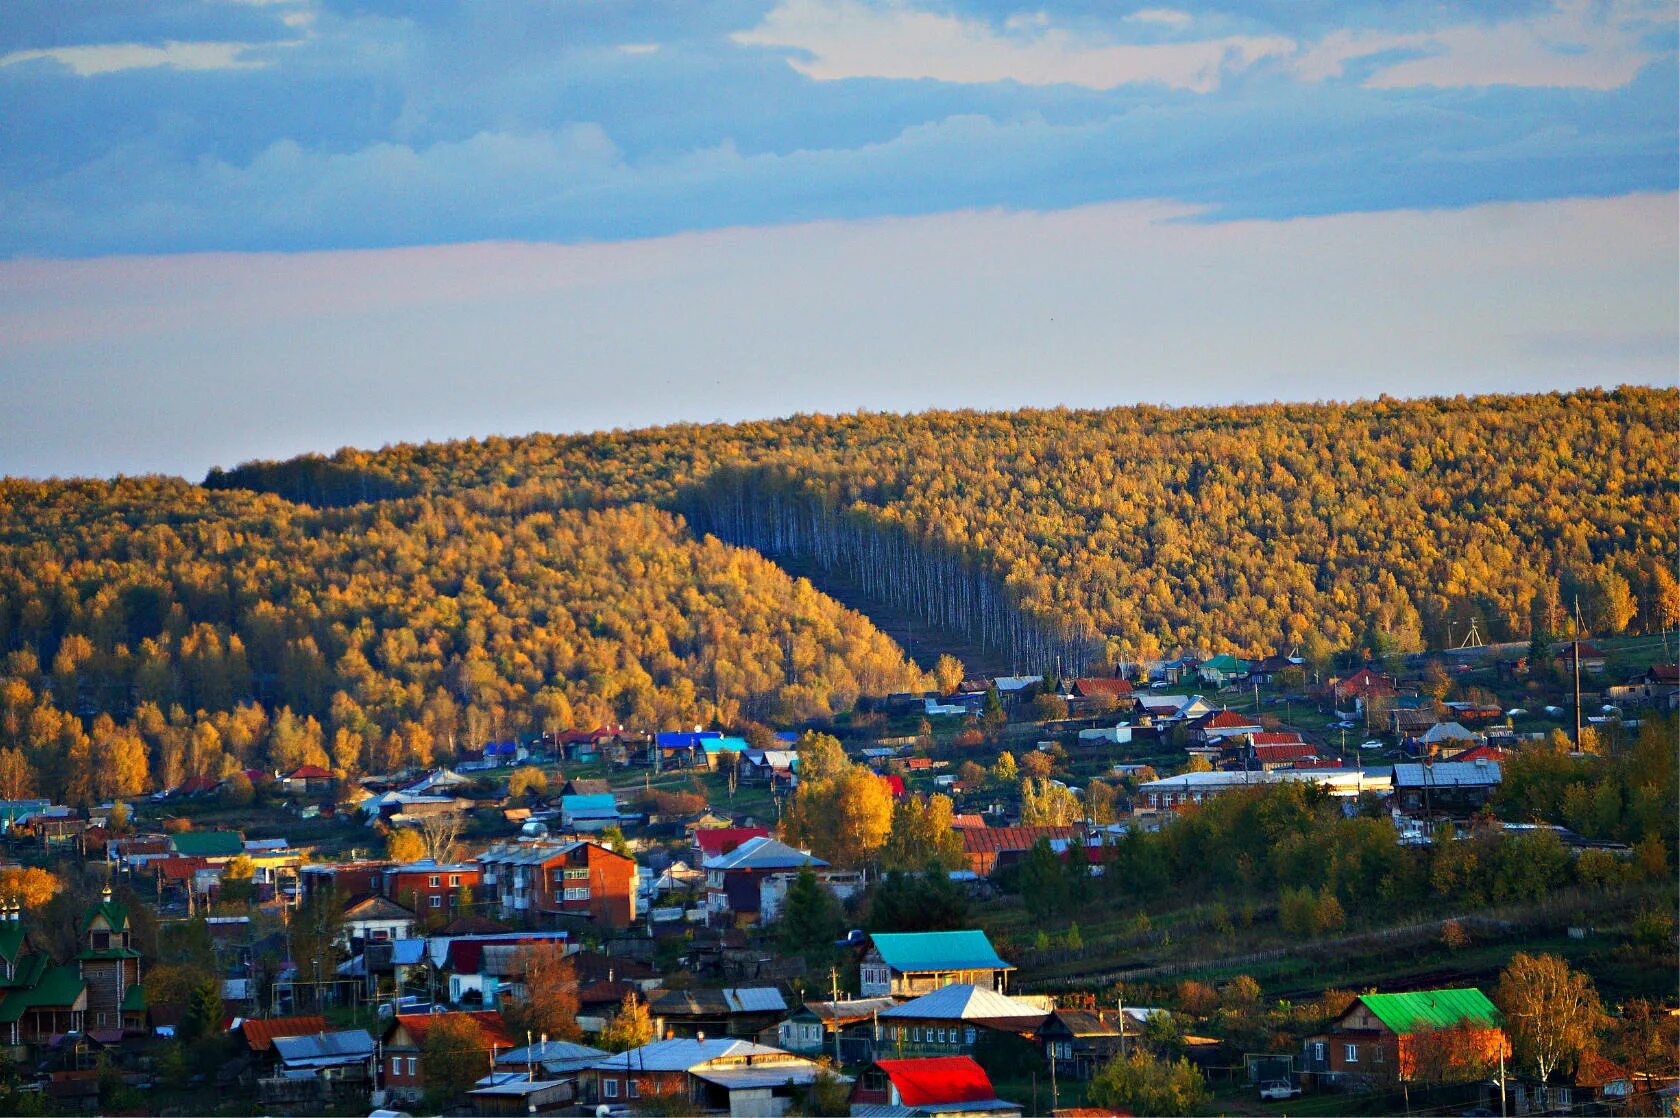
column 811, row 921
column 630, row 1027
column 203, row 1015
column 1143, row 1084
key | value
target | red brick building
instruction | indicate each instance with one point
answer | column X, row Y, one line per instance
column 402, row 1069
column 582, row 879
column 428, row 888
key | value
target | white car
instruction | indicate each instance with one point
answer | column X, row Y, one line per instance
column 1278, row 1089
column 1372, row 744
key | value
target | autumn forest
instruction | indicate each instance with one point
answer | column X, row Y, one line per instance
column 381, row 608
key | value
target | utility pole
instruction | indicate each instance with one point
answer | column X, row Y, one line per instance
column 1120, row 1021
column 1576, row 656
column 834, row 1009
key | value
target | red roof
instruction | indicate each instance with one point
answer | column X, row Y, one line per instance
column 1481, row 753
column 967, row 821
column 309, row 772
column 983, row 840
column 937, row 1080
column 1101, row 686
column 918, row 762
column 196, row 785
column 489, row 1023
column 713, row 841
column 895, row 785
column 180, row 867
column 1225, row 719
column 260, row 1032
column 1278, row 737
column 1318, row 764
column 1295, row 751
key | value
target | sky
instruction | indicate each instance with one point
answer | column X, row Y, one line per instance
column 243, row 229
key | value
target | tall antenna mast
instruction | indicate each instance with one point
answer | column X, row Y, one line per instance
column 1576, row 656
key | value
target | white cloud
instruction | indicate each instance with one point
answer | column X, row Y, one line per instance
column 1169, row 16
column 849, row 39
column 638, row 48
column 1577, row 44
column 108, row 58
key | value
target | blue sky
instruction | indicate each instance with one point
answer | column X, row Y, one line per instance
column 194, row 140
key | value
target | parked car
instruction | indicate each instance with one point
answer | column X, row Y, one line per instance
column 1372, row 744
column 1278, row 1089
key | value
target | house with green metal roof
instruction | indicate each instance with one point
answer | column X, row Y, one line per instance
column 910, row 964
column 1440, row 1035
column 38, row 998
column 209, row 844
column 109, row 964
column 1222, row 669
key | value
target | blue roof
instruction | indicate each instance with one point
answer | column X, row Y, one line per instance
column 787, row 735
column 941, row 951
column 507, row 747
column 683, row 739
column 593, row 804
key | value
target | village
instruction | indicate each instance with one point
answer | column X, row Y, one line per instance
column 619, row 921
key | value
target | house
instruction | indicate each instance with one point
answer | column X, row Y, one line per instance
column 260, row 1033
column 589, row 813
column 1593, row 658
column 987, row 849
column 773, row 888
column 403, row 1071
column 1174, row 708
column 215, row 847
column 375, row 920
column 1360, row 688
column 1444, row 1035
column 578, row 879
column 909, row 964
column 1447, row 735
column 813, row 1028
column 1224, row 724
column 768, row 766
column 740, row 1011
column 585, row 746
column 947, row 1086
column 307, row 780
column 1279, row 755
column 1174, row 793
column 110, row 967
column 720, row 1076
column 341, row 1059
column 1222, row 670
column 477, row 971
column 39, row 999
column 1103, row 691
column 733, row 880
column 1081, row 1040
column 1448, row 787
column 520, row 1093
column 429, row 888
column 951, row 1019
column 551, row 1059
column 348, row 879
column 709, row 842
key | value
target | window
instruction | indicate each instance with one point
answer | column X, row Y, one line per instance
column 915, row 1034
column 454, row 879
column 432, row 881
column 396, row 1065
column 635, row 1090
column 576, row 894
column 609, row 1088
column 1377, row 1055
column 968, row 1036
column 1318, row 1051
column 437, row 902
column 413, row 1065
column 101, row 940
column 1350, row 1053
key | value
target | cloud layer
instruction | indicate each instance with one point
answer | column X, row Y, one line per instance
column 196, row 125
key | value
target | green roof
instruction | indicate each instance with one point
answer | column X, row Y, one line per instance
column 1225, row 662
column 135, row 1000
column 925, row 951
column 116, row 916
column 59, row 987
column 11, row 939
column 1433, row 1009
column 209, row 844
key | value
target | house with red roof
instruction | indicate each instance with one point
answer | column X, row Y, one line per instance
column 1223, row 724
column 307, row 780
column 402, row 1069
column 943, row 1085
column 988, row 848
column 1281, row 756
column 895, row 785
column 709, row 842
column 1361, row 687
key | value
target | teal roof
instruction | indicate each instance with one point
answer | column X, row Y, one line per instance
column 1225, row 662
column 595, row 803
column 724, row 745
column 1432, row 1009
column 209, row 844
column 925, row 951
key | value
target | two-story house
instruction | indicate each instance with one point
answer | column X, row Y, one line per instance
column 576, row 879
column 909, row 964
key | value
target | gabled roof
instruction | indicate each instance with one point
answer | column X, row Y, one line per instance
column 995, row 840
column 1275, row 737
column 209, row 844
column 713, row 841
column 309, row 772
column 938, row 951
column 553, row 1055
column 1446, row 731
column 1288, row 751
column 965, row 1001
column 377, row 908
column 684, row 1053
column 1433, row 1009
column 764, row 854
column 58, row 987
column 489, row 1026
column 1225, row 720
column 1225, row 662
column 324, row 1049
column 260, row 1032
column 600, row 804
column 938, row 1079
column 1085, row 688
column 1448, row 774
column 114, row 915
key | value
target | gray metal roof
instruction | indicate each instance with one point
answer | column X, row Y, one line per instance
column 1447, row 774
column 963, row 1001
column 684, row 1053
column 771, row 1075
column 754, row 999
column 763, row 853
column 324, row 1049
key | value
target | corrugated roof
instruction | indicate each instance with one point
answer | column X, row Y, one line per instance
column 490, row 1028
column 799, row 1074
column 996, row 840
column 938, row 951
column 260, row 1032
column 938, row 1079
column 754, row 999
column 764, row 854
column 965, row 1002
column 1448, row 774
column 682, row 1053
column 1433, row 1009
column 324, row 1048
column 209, row 844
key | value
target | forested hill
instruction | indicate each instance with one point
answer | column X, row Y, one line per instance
column 1128, row 532
column 151, row 630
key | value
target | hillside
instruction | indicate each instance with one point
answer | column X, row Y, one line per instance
column 381, row 635
column 1100, row 535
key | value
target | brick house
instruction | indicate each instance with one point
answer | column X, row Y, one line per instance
column 402, row 1070
column 1443, row 1035
column 429, row 888
column 580, row 879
